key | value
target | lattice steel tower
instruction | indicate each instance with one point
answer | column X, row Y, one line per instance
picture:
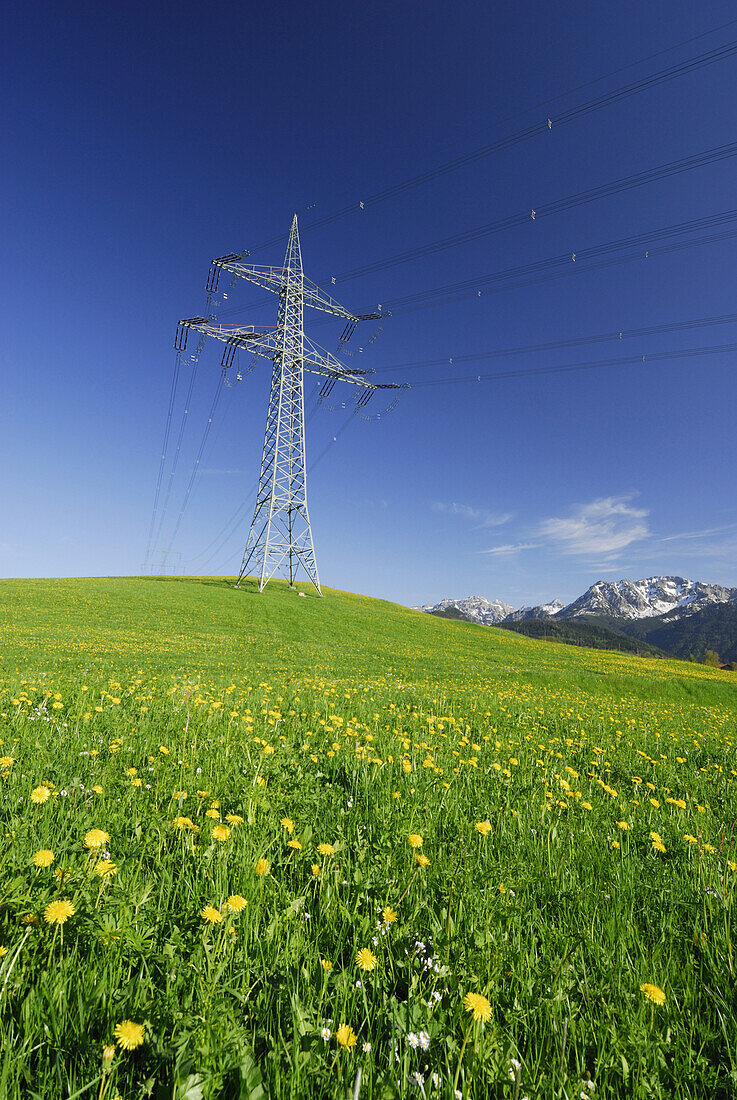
column 281, row 534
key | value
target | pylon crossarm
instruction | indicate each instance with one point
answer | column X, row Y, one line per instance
column 268, row 278
column 316, row 297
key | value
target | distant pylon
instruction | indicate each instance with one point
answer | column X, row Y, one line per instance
column 281, row 534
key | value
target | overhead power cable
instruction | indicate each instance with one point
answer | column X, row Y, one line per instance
column 573, row 342
column 165, row 444
column 617, row 95
column 627, row 183
column 200, row 452
column 516, row 276
column 594, row 364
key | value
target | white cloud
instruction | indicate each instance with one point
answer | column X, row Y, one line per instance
column 602, row 527
column 511, row 548
column 480, row 516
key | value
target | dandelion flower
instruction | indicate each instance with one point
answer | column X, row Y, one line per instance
column 326, row 849
column 39, row 795
column 346, row 1036
column 221, row 832
column 236, row 903
column 211, row 915
column 388, row 915
column 326, row 965
column 414, row 840
column 315, row 868
column 212, row 813
column 421, row 860
column 129, row 1034
column 365, row 959
column 623, row 825
column 108, row 1053
column 234, row 819
column 263, row 867
column 43, row 858
column 3, row 950
column 479, row 1006
column 95, row 838
column 183, row 823
column 288, row 824
column 653, row 993
column 296, row 844
column 483, row 827
column 57, row 912
column 105, row 868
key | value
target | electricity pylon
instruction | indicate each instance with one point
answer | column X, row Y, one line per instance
column 280, row 530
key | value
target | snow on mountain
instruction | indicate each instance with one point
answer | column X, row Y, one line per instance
column 625, row 599
column 541, row 611
column 646, row 598
column 476, row 609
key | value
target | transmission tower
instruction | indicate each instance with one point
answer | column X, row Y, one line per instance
column 281, row 534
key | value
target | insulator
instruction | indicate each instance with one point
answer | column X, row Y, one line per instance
column 213, row 278
column 348, row 331
column 228, row 356
column 180, row 340
column 327, row 387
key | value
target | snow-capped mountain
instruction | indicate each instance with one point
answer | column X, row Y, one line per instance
column 653, row 596
column 541, row 611
column 476, row 609
column 646, row 598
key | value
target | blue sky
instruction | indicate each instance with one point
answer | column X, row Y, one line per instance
column 141, row 141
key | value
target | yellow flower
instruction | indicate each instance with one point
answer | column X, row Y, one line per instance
column 421, row 860
column 129, row 1034
column 296, row 844
column 365, row 959
column 163, row 750
column 39, row 795
column 479, row 1006
column 315, row 868
column 623, row 826
column 414, row 840
column 95, row 838
column 212, row 813
column 388, row 915
column 326, row 849
column 654, row 802
column 483, row 827
column 615, row 844
column 234, row 819
column 105, row 868
column 108, row 1053
column 346, row 1036
column 653, row 993
column 44, row 857
column 326, row 965
column 236, row 903
column 57, row 912
column 183, row 823
column 263, row 867
column 97, row 788
column 732, row 866
column 211, row 915
column 288, row 824
column 221, row 832
column 3, row 950
column 131, row 771
column 6, row 761
column 689, row 838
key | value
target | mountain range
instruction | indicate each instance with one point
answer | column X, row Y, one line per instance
column 669, row 615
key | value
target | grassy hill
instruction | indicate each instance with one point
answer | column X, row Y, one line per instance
column 272, row 846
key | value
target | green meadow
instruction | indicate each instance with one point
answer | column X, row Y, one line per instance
column 261, row 846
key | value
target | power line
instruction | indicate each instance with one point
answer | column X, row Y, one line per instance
column 509, row 276
column 165, row 444
column 576, row 341
column 627, row 183
column 663, row 76
column 594, row 364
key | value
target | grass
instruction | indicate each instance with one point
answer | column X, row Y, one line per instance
column 576, row 811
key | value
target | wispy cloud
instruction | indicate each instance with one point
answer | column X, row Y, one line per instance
column 603, row 527
column 511, row 548
column 480, row 516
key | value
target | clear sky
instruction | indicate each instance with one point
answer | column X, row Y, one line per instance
column 139, row 141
